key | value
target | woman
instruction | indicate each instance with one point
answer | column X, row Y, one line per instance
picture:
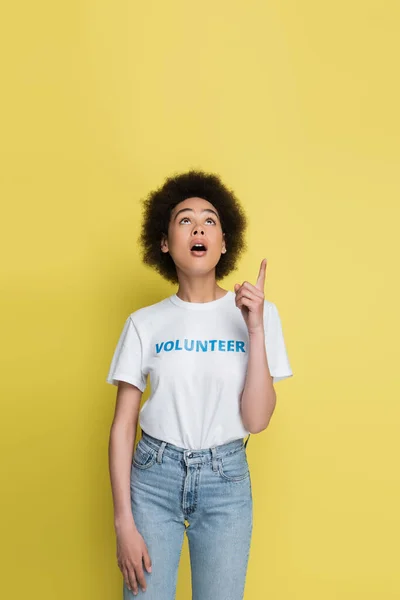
column 212, row 355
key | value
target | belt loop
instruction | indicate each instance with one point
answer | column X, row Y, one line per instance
column 160, row 452
column 214, row 459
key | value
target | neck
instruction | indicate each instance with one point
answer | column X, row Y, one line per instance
column 199, row 290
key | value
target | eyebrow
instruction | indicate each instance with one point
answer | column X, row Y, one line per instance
column 205, row 210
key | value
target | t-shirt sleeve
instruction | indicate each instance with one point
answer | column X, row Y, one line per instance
column 277, row 356
column 126, row 363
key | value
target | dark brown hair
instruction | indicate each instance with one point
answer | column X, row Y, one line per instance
column 157, row 208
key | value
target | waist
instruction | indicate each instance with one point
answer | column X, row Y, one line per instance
column 205, row 454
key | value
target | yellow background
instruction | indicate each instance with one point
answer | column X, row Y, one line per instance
column 296, row 105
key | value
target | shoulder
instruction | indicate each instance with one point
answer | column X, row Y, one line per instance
column 271, row 313
column 149, row 312
column 269, row 307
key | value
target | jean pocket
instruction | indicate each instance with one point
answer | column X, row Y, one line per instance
column 234, row 467
column 144, row 456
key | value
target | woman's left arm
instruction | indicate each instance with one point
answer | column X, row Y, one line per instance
column 258, row 399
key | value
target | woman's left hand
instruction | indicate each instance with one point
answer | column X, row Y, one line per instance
column 250, row 300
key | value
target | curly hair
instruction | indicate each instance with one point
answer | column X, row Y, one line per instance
column 157, row 208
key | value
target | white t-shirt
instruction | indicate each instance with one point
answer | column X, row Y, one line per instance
column 196, row 355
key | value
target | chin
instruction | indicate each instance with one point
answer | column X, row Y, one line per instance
column 202, row 267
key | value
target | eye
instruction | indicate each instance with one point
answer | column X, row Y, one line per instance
column 187, row 219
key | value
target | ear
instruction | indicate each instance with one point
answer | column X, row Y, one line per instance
column 164, row 243
column 223, row 245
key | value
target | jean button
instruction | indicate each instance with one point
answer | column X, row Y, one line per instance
column 190, row 455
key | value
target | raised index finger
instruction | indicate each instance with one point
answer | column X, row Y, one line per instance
column 261, row 275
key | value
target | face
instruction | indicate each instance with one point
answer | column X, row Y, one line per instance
column 194, row 220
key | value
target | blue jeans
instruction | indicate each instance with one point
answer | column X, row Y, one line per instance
column 211, row 490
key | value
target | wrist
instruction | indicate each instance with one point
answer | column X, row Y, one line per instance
column 121, row 520
column 257, row 332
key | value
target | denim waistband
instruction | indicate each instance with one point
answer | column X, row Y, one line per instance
column 203, row 455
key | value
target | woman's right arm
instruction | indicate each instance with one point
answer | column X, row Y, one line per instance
column 131, row 548
column 121, row 446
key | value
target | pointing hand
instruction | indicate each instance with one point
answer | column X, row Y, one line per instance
column 250, row 300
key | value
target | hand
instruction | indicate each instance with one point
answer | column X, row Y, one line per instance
column 250, row 300
column 131, row 549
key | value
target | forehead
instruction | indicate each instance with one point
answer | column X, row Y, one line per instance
column 198, row 204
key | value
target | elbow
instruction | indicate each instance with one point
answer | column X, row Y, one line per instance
column 260, row 429
column 257, row 428
column 261, row 422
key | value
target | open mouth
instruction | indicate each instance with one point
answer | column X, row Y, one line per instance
column 198, row 250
